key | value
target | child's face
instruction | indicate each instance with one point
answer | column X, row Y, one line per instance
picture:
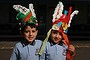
column 30, row 33
column 56, row 36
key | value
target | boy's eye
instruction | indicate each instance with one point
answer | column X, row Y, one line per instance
column 54, row 31
column 33, row 31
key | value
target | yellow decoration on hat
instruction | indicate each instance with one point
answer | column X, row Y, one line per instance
column 64, row 25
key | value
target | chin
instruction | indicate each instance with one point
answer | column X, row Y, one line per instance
column 55, row 41
column 30, row 40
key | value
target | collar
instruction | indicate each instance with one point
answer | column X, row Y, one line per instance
column 25, row 42
column 33, row 43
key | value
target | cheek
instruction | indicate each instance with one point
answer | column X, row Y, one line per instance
column 52, row 37
column 60, row 38
column 35, row 34
column 25, row 34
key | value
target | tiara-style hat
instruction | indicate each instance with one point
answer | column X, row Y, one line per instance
column 26, row 15
column 61, row 23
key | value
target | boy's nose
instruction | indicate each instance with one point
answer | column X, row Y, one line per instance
column 30, row 33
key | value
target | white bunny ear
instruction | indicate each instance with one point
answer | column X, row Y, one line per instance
column 58, row 11
column 21, row 9
column 32, row 10
column 71, row 16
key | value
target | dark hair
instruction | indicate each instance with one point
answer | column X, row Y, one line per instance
column 31, row 25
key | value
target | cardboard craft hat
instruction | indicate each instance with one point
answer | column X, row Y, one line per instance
column 60, row 22
column 26, row 15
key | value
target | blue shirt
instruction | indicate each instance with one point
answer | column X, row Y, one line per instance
column 26, row 52
column 55, row 51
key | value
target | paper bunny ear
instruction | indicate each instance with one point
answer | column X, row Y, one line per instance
column 58, row 11
column 25, row 14
column 62, row 20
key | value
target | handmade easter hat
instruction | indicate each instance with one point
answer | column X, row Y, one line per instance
column 26, row 15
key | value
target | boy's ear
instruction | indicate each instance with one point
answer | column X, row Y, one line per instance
column 37, row 31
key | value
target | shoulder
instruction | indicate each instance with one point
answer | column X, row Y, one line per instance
column 19, row 45
column 48, row 45
column 39, row 41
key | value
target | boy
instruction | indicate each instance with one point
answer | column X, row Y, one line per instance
column 29, row 47
column 58, row 47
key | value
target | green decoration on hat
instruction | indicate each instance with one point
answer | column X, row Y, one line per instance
column 20, row 16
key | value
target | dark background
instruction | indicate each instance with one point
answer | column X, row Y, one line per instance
column 44, row 10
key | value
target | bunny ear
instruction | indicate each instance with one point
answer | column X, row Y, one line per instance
column 21, row 9
column 32, row 10
column 58, row 11
column 71, row 16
